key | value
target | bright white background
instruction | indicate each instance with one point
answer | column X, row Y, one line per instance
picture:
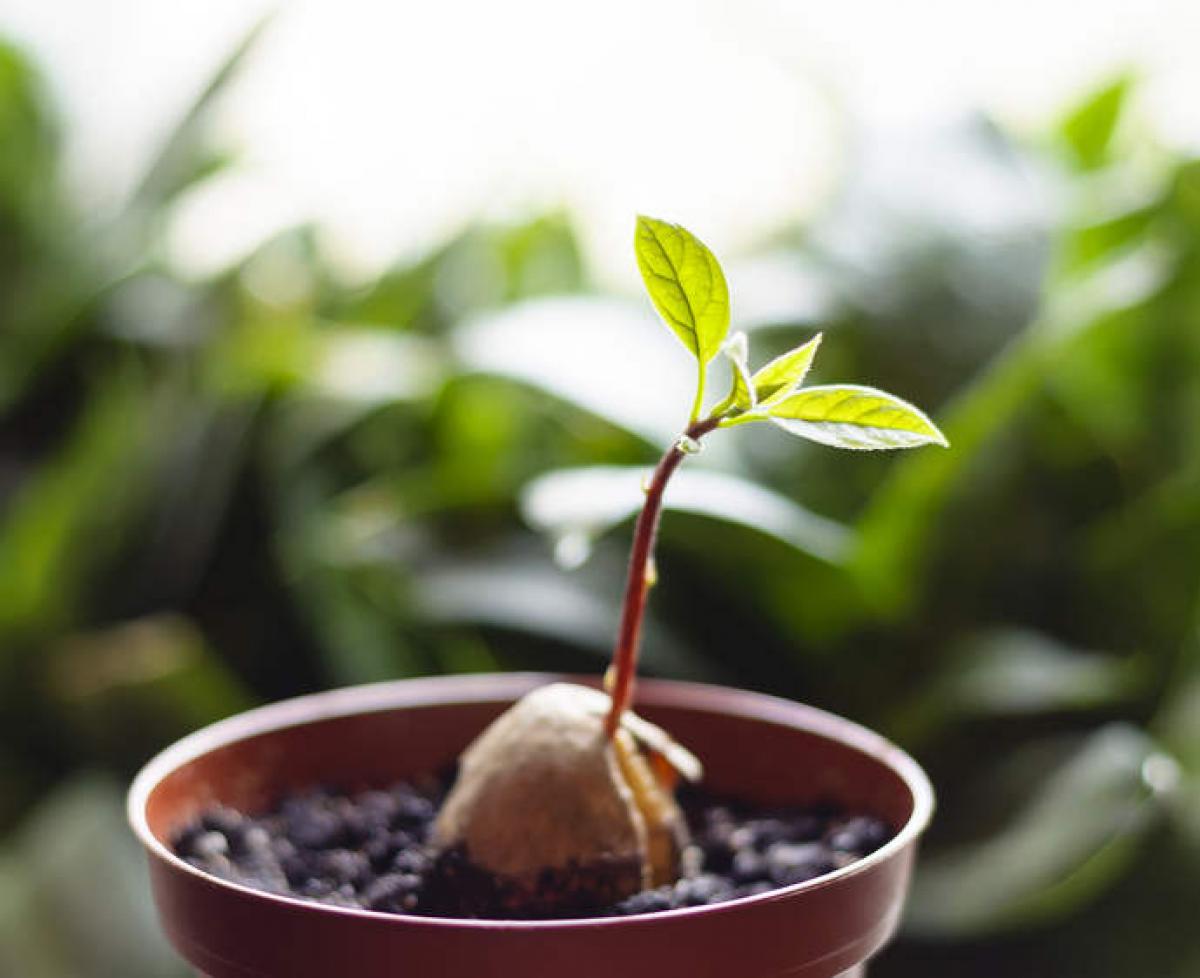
column 392, row 123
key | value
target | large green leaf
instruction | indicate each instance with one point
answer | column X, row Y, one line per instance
column 687, row 287
column 849, row 416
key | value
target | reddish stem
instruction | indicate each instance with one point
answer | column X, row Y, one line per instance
column 636, row 586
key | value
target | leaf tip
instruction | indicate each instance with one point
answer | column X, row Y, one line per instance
column 815, row 345
column 736, row 344
column 932, row 432
column 646, row 223
column 936, row 435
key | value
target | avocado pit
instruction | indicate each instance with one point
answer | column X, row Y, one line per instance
column 549, row 815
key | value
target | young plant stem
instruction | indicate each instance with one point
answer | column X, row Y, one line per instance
column 637, row 584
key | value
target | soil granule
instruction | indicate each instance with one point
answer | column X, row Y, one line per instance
column 368, row 849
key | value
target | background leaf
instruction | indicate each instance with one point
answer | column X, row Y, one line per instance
column 571, row 346
column 1068, row 842
column 1088, row 130
column 532, row 597
column 87, row 911
column 1015, row 671
column 586, row 502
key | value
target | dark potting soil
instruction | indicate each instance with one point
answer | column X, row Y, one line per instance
column 368, row 849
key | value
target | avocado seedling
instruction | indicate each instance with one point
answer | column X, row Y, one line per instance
column 566, row 803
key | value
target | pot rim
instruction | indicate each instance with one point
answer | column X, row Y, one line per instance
column 488, row 687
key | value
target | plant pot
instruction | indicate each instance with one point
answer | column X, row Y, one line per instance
column 756, row 747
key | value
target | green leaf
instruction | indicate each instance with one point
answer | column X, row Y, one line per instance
column 741, row 394
column 899, row 527
column 185, row 156
column 686, row 283
column 575, row 506
column 68, row 516
column 849, row 416
column 1088, row 130
column 1016, row 671
column 1064, row 846
column 510, row 591
column 783, row 376
column 1109, row 235
column 687, row 286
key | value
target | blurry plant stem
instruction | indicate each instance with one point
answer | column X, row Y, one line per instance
column 638, row 583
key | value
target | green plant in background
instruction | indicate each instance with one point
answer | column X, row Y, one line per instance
column 222, row 491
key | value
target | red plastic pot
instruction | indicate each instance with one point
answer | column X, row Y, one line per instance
column 757, row 747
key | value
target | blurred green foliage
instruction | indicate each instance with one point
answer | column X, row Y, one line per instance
column 214, row 493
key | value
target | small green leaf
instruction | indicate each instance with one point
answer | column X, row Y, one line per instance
column 687, row 287
column 741, row 395
column 849, row 416
column 782, row 376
